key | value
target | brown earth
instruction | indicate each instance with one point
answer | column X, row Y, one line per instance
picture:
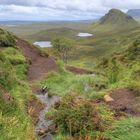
column 34, row 107
column 124, row 101
column 40, row 64
column 6, row 95
column 76, row 70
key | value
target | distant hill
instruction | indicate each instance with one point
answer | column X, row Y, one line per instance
column 115, row 19
column 134, row 13
column 53, row 33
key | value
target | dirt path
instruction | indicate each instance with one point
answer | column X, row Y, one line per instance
column 40, row 65
column 76, row 70
column 124, row 101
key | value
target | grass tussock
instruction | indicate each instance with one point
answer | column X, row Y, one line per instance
column 14, row 95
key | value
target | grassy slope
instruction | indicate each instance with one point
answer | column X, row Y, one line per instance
column 119, row 75
column 123, row 73
column 14, row 94
column 103, row 45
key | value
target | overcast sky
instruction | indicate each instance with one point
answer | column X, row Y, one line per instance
column 61, row 9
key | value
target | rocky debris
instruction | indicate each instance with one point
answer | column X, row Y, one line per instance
column 41, row 132
column 52, row 128
column 45, row 126
column 108, row 99
column 49, row 129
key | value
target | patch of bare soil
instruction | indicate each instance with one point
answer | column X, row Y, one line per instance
column 34, row 109
column 76, row 70
column 125, row 101
column 6, row 95
column 40, row 64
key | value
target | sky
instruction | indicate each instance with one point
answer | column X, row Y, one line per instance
column 46, row 10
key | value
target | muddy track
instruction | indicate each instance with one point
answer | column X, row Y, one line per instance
column 124, row 101
column 39, row 65
column 76, row 70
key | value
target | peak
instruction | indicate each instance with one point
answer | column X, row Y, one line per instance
column 117, row 18
column 115, row 11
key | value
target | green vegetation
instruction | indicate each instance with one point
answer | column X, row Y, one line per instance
column 14, row 95
column 116, row 19
column 50, row 34
column 83, row 112
column 80, row 117
column 119, row 71
column 65, row 82
column 48, row 30
column 125, row 129
column 6, row 39
column 64, row 47
column 14, row 56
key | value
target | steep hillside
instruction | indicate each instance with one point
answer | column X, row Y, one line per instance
column 20, row 63
column 115, row 19
column 15, row 93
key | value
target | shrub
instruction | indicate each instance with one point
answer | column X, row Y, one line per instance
column 14, row 56
column 79, row 117
column 6, row 39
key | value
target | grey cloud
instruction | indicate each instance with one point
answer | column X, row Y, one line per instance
column 62, row 9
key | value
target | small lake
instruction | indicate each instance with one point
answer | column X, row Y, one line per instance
column 43, row 44
column 84, row 34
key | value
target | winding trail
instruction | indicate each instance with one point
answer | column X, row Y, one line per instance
column 40, row 64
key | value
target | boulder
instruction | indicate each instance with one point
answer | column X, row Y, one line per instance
column 108, row 99
column 41, row 132
column 52, row 128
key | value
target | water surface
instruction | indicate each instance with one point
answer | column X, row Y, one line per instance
column 84, row 34
column 43, row 44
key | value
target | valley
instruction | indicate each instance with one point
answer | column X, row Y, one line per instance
column 71, row 80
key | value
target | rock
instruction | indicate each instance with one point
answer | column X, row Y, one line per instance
column 48, row 137
column 44, row 90
column 56, row 105
column 108, row 99
column 41, row 132
column 52, row 128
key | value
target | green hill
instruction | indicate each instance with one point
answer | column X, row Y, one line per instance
column 115, row 19
column 52, row 33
